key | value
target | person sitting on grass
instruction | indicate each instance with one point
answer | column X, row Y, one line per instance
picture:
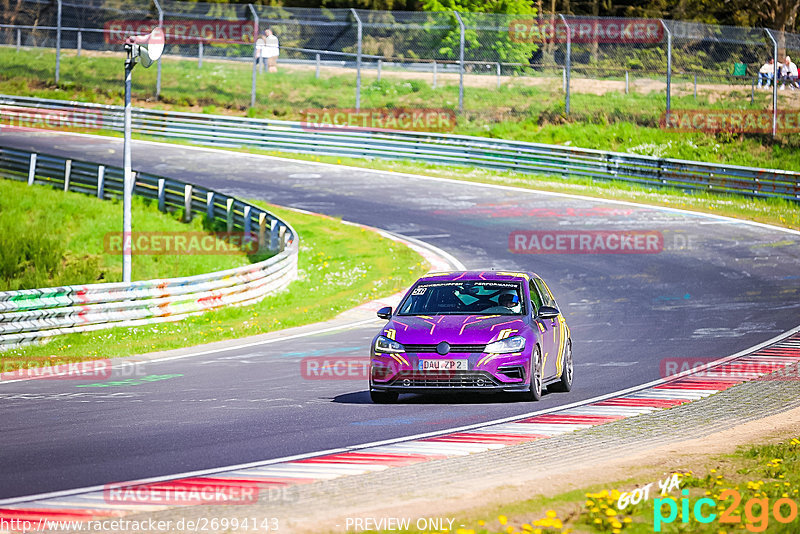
column 766, row 73
column 788, row 73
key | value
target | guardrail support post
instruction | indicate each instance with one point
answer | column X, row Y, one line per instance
column 58, row 41
column 210, row 206
column 460, row 63
column 187, row 203
column 255, row 56
column 158, row 66
column 101, row 181
column 669, row 68
column 358, row 59
column 229, row 214
column 32, row 169
column 247, row 225
column 262, row 232
column 80, row 41
column 273, row 235
column 281, row 238
column 67, row 174
column 162, row 192
column 567, row 66
column 316, row 74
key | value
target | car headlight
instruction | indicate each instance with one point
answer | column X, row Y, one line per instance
column 384, row 344
column 509, row 344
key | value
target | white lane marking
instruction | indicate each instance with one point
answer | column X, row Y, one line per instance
column 677, row 394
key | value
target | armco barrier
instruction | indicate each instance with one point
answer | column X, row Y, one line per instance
column 534, row 158
column 33, row 315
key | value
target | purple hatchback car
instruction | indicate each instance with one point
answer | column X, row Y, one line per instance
column 482, row 331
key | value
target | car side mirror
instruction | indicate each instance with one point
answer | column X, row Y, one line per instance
column 385, row 313
column 548, row 312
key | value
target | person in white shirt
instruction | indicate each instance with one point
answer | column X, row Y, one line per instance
column 766, row 73
column 788, row 73
column 260, row 57
column 271, row 50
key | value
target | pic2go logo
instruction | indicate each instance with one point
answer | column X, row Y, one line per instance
column 756, row 511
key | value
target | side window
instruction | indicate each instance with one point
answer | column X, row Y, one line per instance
column 536, row 300
column 547, row 297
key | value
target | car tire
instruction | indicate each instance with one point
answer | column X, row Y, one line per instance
column 567, row 371
column 534, row 392
column 383, row 397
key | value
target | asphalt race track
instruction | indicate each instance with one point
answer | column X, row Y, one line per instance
column 715, row 287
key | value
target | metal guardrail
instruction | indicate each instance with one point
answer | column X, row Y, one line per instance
column 297, row 137
column 35, row 315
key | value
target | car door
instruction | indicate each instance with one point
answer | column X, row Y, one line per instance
column 551, row 330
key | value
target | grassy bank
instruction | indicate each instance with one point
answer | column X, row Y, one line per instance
column 340, row 267
column 529, row 109
column 52, row 238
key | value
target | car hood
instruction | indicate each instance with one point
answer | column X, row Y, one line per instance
column 455, row 329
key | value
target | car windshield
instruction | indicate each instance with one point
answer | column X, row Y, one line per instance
column 463, row 298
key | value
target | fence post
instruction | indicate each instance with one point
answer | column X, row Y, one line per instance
column 200, row 55
column 32, row 169
column 101, row 181
column 627, row 84
column 358, row 59
column 187, row 203
column 567, row 66
column 58, row 41
column 229, row 214
column 379, row 69
column 210, row 206
column 434, row 74
column 669, row 68
column 255, row 51
column 498, row 75
column 162, row 192
column 80, row 41
column 460, row 63
column 695, row 86
column 316, row 74
column 19, row 38
column 774, row 83
column 67, row 174
column 158, row 66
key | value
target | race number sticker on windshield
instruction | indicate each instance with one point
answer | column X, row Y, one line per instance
column 420, row 290
column 443, row 365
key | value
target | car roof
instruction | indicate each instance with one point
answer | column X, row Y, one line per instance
column 497, row 276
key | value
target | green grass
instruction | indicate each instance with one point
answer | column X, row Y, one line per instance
column 341, row 266
column 517, row 110
column 53, row 238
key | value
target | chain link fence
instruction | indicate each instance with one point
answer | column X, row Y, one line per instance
column 486, row 68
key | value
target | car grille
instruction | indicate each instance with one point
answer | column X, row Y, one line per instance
column 445, row 379
column 453, row 348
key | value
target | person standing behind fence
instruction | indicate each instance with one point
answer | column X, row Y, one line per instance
column 271, row 50
column 788, row 73
column 766, row 73
column 260, row 57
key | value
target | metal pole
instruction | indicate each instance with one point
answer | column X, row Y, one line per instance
column 127, row 185
column 19, row 39
column 80, row 41
column 498, row 75
column 158, row 67
column 434, row 74
column 255, row 51
column 695, row 86
column 358, row 60
column 379, row 69
column 627, row 84
column 316, row 75
column 200, row 55
column 567, row 66
column 774, row 83
column 58, row 41
column 460, row 63
column 669, row 68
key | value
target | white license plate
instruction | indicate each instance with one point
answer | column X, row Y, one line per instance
column 444, row 365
